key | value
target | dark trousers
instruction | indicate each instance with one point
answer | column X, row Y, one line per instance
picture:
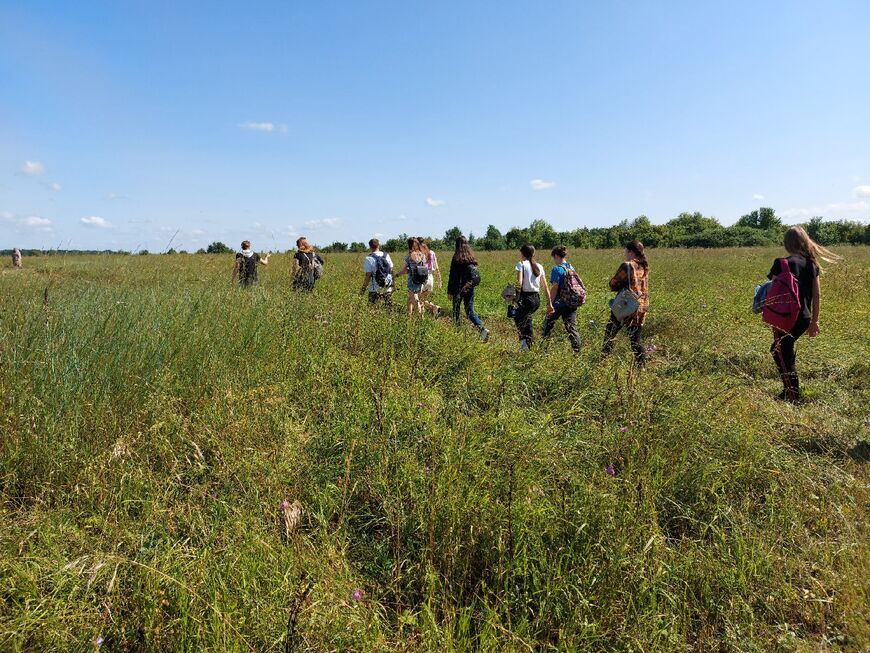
column 468, row 300
column 386, row 298
column 613, row 327
column 527, row 304
column 783, row 354
column 569, row 318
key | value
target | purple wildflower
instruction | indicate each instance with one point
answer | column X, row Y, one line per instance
column 623, row 429
column 610, row 470
column 357, row 595
column 285, row 504
column 99, row 641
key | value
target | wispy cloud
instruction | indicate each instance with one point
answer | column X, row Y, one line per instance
column 263, row 126
column 540, row 184
column 36, row 222
column 95, row 221
column 860, row 209
column 33, row 168
column 321, row 224
column 758, row 197
column 117, row 196
column 55, row 187
column 433, row 202
column 862, row 191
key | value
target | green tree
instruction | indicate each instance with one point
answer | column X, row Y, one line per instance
column 765, row 218
column 451, row 235
column 493, row 240
column 542, row 235
column 218, row 247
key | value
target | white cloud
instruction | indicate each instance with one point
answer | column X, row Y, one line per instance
column 862, row 191
column 320, row 224
column 434, row 202
column 758, row 197
column 95, row 221
column 291, row 231
column 33, row 168
column 56, row 187
column 117, row 196
column 7, row 216
column 540, row 184
column 36, row 222
column 263, row 126
column 860, row 209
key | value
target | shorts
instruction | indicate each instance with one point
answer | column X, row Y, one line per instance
column 414, row 287
column 429, row 286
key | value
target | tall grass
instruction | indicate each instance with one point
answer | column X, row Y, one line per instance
column 455, row 495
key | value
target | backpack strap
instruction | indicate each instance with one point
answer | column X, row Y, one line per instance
column 628, row 269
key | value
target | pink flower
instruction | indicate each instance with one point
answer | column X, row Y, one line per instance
column 610, row 470
column 285, row 504
column 99, row 641
column 623, row 429
column 357, row 595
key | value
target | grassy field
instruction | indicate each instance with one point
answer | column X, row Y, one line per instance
column 453, row 494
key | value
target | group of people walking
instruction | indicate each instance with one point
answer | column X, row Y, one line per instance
column 563, row 292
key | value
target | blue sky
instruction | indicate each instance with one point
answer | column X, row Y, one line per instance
column 124, row 122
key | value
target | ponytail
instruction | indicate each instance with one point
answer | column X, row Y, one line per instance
column 528, row 251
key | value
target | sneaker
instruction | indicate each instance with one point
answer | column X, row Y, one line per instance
column 524, row 345
column 484, row 334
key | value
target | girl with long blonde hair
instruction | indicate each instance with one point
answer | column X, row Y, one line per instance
column 803, row 262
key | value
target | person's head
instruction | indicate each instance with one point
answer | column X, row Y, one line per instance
column 413, row 244
column 559, row 252
column 246, row 244
column 797, row 241
column 528, row 253
column 374, row 244
column 463, row 253
column 302, row 244
column 424, row 245
column 634, row 251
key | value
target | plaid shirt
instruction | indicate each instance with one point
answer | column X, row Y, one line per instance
column 639, row 285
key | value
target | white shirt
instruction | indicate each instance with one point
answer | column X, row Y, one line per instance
column 531, row 283
column 370, row 266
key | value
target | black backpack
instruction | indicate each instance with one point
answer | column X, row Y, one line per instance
column 472, row 275
column 419, row 271
column 383, row 270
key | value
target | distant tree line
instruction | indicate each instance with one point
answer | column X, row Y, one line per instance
column 758, row 228
column 755, row 229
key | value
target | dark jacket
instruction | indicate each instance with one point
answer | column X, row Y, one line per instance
column 458, row 277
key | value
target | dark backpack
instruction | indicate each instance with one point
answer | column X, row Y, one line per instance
column 572, row 293
column 383, row 270
column 472, row 276
column 419, row 271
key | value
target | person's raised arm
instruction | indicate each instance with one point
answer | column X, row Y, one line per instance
column 264, row 260
column 366, row 283
column 817, row 305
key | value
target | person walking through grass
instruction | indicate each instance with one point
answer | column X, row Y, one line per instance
column 246, row 264
column 803, row 263
column 462, row 282
column 531, row 278
column 632, row 276
column 307, row 266
column 378, row 268
column 16, row 258
column 418, row 274
column 429, row 286
column 556, row 307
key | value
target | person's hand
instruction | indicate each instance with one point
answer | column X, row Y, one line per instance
column 813, row 331
column 550, row 309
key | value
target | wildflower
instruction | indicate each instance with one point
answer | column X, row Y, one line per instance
column 99, row 641
column 285, row 504
column 419, row 405
column 610, row 470
column 357, row 594
column 623, row 429
column 651, row 349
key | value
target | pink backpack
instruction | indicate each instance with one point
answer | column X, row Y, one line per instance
column 783, row 304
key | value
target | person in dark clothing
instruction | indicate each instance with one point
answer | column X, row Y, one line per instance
column 803, row 261
column 246, row 264
column 530, row 281
column 555, row 308
column 460, row 286
column 307, row 266
column 635, row 261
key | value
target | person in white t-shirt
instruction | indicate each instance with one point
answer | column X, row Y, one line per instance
column 378, row 268
column 531, row 279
